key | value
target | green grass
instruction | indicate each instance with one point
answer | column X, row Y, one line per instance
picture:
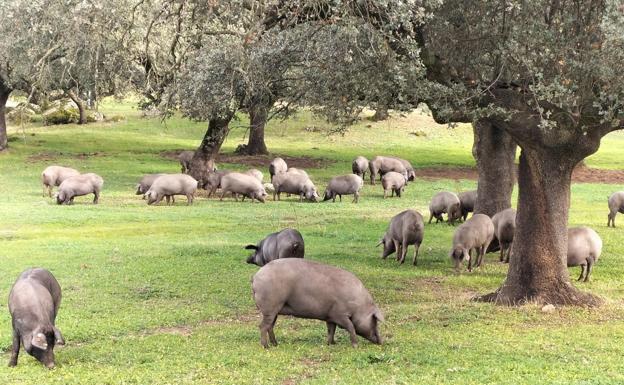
column 161, row 295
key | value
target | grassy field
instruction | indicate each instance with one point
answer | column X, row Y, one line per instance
column 161, row 295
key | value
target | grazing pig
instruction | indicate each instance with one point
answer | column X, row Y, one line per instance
column 406, row 228
column 294, row 183
column 474, row 234
column 169, row 185
column 80, row 185
column 616, row 204
column 307, row 289
column 34, row 301
column 381, row 165
column 445, row 202
column 212, row 181
column 255, row 173
column 504, row 228
column 411, row 174
column 287, row 243
column 394, row 182
column 54, row 176
column 185, row 159
column 277, row 165
column 145, row 183
column 294, row 170
column 360, row 166
column 584, row 248
column 247, row 185
column 467, row 201
column 344, row 185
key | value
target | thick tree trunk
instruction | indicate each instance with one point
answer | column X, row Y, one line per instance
column 205, row 155
column 257, row 119
column 4, row 97
column 81, row 106
column 495, row 153
column 537, row 269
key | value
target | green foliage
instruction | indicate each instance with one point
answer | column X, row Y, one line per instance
column 161, row 295
column 61, row 116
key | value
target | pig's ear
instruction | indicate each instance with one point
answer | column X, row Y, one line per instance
column 251, row 247
column 39, row 341
column 379, row 315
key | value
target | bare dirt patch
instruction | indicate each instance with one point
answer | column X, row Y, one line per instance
column 581, row 174
column 51, row 156
column 261, row 161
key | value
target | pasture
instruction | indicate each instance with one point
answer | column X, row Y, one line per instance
column 161, row 295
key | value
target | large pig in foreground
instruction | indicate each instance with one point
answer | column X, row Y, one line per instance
column 584, row 249
column 307, row 289
column 34, row 301
column 169, row 185
column 80, row 185
column 54, row 176
column 287, row 243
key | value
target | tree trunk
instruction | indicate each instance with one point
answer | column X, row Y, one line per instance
column 81, row 106
column 537, row 268
column 205, row 155
column 495, row 153
column 4, row 97
column 257, row 119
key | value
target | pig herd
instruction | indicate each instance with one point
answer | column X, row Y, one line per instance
column 288, row 284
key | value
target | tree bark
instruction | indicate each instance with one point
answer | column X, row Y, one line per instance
column 4, row 97
column 204, row 159
column 495, row 153
column 257, row 118
column 81, row 106
column 537, row 268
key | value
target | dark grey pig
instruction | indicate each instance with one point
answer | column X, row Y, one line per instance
column 54, row 176
column 80, row 185
column 504, row 229
column 381, row 165
column 445, row 202
column 393, row 182
column 616, row 205
column 294, row 183
column 277, row 165
column 467, row 201
column 168, row 185
column 584, row 248
column 287, row 243
column 406, row 228
column 33, row 303
column 212, row 181
column 185, row 159
column 474, row 234
column 360, row 166
column 307, row 289
column 344, row 185
column 145, row 183
column 411, row 174
column 246, row 185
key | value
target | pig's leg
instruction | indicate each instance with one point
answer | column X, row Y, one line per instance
column 403, row 251
column 348, row 325
column 189, row 198
column 582, row 272
column 168, row 199
column 430, row 217
column 15, row 348
column 265, row 325
column 397, row 249
column 58, row 337
column 416, row 247
column 331, row 330
column 96, row 197
column 590, row 264
column 470, row 260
